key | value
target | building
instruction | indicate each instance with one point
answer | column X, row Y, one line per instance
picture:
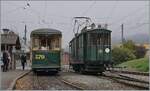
column 65, row 57
column 146, row 46
column 9, row 42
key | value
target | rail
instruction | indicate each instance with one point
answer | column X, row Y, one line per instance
column 128, row 80
column 71, row 84
column 122, row 70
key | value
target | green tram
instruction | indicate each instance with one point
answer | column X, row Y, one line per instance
column 46, row 50
column 91, row 50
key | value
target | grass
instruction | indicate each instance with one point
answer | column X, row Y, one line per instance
column 141, row 64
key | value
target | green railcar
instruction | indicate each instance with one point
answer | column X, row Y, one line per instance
column 91, row 50
column 46, row 50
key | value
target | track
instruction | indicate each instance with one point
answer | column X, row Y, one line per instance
column 46, row 82
column 127, row 80
column 129, row 72
column 71, row 84
column 57, row 81
column 36, row 82
column 130, row 79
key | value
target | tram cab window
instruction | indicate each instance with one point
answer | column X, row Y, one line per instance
column 99, row 39
column 43, row 44
column 46, row 43
column 106, row 39
column 92, row 39
column 35, row 43
column 54, row 44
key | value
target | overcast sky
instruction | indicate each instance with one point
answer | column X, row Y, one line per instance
column 58, row 15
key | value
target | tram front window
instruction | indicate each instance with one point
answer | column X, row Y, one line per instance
column 43, row 44
column 35, row 43
column 54, row 43
column 46, row 43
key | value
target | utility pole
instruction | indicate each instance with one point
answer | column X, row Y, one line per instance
column 25, row 35
column 0, row 59
column 122, row 37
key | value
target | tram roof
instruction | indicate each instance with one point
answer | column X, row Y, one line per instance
column 45, row 31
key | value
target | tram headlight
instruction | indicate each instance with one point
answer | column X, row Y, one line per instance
column 107, row 50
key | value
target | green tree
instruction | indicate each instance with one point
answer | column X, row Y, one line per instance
column 121, row 54
column 129, row 44
column 138, row 51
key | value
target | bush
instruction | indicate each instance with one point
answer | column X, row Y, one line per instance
column 120, row 54
column 129, row 44
column 140, row 51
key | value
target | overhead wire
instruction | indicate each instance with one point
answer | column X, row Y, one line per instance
column 126, row 16
column 35, row 12
column 19, row 7
column 87, row 10
column 83, row 14
column 138, row 26
column 44, row 13
column 41, row 19
column 112, row 11
column 44, row 16
column 13, row 10
column 138, row 19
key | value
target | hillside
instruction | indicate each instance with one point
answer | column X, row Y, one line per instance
column 137, row 64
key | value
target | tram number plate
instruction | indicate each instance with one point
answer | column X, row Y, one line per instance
column 39, row 57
